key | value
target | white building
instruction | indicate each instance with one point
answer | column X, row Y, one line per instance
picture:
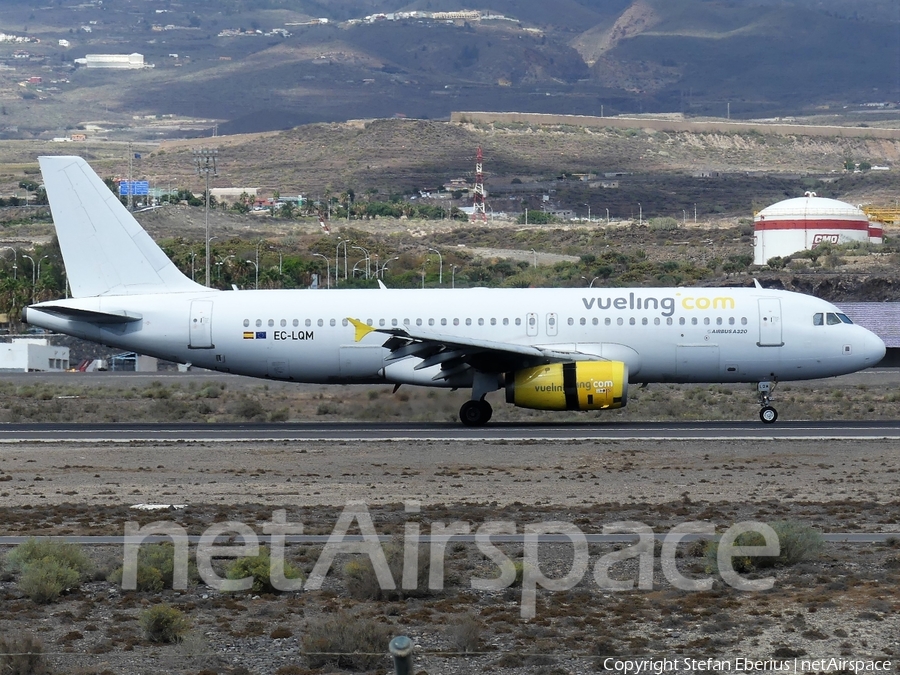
column 120, row 61
column 28, row 355
column 805, row 222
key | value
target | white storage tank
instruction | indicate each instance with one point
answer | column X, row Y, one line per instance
column 805, row 222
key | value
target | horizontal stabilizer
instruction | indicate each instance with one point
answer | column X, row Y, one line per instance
column 105, row 249
column 88, row 315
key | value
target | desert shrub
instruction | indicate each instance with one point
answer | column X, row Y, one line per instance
column 22, row 655
column 346, row 641
column 464, row 633
column 259, row 567
column 164, row 624
column 246, row 408
column 46, row 568
column 35, row 549
column 44, row 580
column 662, row 224
column 156, row 568
column 798, row 542
column 362, row 582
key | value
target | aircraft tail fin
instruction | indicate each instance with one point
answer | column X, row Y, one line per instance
column 106, row 251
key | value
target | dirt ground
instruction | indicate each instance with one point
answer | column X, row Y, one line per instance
column 843, row 604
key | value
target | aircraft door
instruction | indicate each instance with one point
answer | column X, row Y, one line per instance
column 552, row 323
column 200, row 331
column 531, row 324
column 770, row 323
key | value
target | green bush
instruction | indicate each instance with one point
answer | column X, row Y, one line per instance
column 164, row 624
column 156, row 568
column 35, row 549
column 259, row 567
column 46, row 568
column 44, row 580
column 22, row 656
column 346, row 641
column 797, row 542
column 362, row 582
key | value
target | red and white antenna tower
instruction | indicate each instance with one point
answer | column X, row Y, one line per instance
column 478, row 210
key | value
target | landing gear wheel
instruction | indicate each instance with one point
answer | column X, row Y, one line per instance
column 768, row 414
column 475, row 413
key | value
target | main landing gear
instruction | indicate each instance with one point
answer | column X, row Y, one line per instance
column 767, row 413
column 475, row 413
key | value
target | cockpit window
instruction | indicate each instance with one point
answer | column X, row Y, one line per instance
column 818, row 319
column 844, row 318
column 832, row 319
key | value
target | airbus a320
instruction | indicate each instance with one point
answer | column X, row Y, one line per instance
column 547, row 349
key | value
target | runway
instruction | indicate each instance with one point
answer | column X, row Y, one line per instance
column 386, row 432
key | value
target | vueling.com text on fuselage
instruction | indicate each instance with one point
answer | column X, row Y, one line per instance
column 666, row 305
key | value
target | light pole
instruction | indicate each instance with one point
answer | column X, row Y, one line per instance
column 257, row 261
column 607, row 214
column 384, row 266
column 34, row 273
column 192, row 264
column 453, row 276
column 533, row 258
column 589, row 211
column 15, row 261
column 256, row 265
column 337, row 260
column 366, row 253
column 206, row 164
column 441, row 266
column 219, row 266
column 684, row 216
column 327, row 269
column 640, row 214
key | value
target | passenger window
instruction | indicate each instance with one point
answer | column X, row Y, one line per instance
column 831, row 319
column 730, row 320
column 719, row 321
column 368, row 321
column 818, row 318
column 668, row 320
column 694, row 321
column 505, row 322
column 681, row 321
column 844, row 318
column 331, row 323
column 571, row 321
column 620, row 321
column 706, row 321
column 393, row 322
column 531, row 321
column 455, row 322
column 418, row 322
column 480, row 322
column 344, row 322
column 518, row 322
column 321, row 323
column 631, row 321
column 296, row 322
column 272, row 322
column 309, row 323
column 284, row 323
column 743, row 320
column 443, row 322
column 596, row 321
column 246, row 322
column 405, row 322
column 608, row 321
column 430, row 322
column 493, row 321
column 380, row 322
column 468, row 322
column 583, row 321
column 656, row 321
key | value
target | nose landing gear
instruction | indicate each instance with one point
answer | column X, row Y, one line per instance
column 767, row 413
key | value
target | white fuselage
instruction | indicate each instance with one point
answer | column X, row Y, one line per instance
column 662, row 334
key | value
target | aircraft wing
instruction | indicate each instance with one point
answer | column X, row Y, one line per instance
column 454, row 352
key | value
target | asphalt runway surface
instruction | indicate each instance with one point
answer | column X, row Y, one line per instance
column 379, row 432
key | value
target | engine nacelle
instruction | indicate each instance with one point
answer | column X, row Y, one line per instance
column 582, row 385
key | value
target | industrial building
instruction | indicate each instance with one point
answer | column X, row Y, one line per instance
column 27, row 355
column 119, row 61
column 805, row 222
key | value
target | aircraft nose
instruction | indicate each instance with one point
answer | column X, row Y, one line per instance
column 874, row 349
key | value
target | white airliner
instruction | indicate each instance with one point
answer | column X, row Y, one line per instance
column 550, row 349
